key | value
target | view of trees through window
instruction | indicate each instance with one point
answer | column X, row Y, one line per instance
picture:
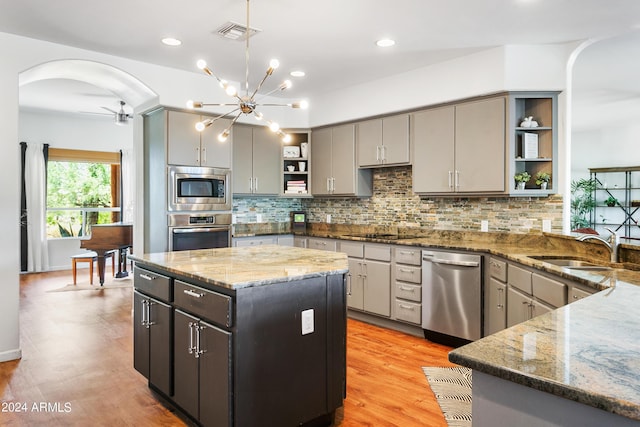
column 78, row 195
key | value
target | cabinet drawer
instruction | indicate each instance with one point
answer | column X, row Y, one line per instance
column 498, row 269
column 352, row 249
column 409, row 274
column 203, row 303
column 377, row 252
column 576, row 294
column 255, row 241
column 322, row 244
column 549, row 290
column 408, row 256
column 152, row 284
column 520, row 278
column 409, row 312
column 410, row 292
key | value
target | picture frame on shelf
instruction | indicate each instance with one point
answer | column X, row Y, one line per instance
column 292, row 151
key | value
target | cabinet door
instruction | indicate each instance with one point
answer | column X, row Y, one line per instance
column 355, row 291
column 183, row 140
column 160, row 361
column 140, row 335
column 215, row 378
column 377, row 288
column 321, row 161
column 185, row 363
column 344, row 159
column 214, row 153
column 538, row 308
column 370, row 143
column 266, row 161
column 480, row 146
column 395, row 137
column 432, row 138
column 518, row 307
column 242, row 179
column 496, row 300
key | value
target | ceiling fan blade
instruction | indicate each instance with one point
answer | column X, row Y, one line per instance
column 109, row 109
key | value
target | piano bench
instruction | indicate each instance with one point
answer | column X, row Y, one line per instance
column 90, row 257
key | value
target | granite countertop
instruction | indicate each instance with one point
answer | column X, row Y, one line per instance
column 587, row 351
column 242, row 267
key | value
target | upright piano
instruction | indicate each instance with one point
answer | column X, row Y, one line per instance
column 108, row 237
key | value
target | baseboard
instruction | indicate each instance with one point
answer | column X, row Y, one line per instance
column 386, row 323
column 6, row 356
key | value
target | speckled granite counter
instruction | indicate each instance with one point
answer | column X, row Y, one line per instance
column 587, row 352
column 236, row 268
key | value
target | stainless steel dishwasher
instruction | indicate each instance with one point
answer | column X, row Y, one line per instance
column 451, row 297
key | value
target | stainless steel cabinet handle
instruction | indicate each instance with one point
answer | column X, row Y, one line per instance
column 457, row 180
column 500, row 294
column 251, row 185
column 459, row 263
column 193, row 293
column 143, row 314
column 384, row 153
column 407, row 252
column 407, row 307
column 191, row 346
column 255, row 189
column 377, row 153
column 349, row 284
column 406, row 270
column 147, row 277
column 404, row 288
column 198, row 155
column 199, row 350
column 450, row 179
column 149, row 322
column 204, row 156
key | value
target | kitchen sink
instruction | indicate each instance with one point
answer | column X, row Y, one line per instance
column 571, row 263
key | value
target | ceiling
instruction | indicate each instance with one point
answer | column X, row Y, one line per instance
column 333, row 41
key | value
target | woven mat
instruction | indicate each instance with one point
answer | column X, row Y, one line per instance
column 452, row 388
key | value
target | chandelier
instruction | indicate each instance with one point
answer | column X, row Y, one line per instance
column 247, row 103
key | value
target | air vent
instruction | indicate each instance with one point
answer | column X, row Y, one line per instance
column 235, row 31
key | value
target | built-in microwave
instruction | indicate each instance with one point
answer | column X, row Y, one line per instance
column 192, row 188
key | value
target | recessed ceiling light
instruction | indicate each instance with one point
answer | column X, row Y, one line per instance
column 170, row 41
column 385, row 42
column 297, row 73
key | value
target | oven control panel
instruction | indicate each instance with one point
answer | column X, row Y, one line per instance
column 209, row 219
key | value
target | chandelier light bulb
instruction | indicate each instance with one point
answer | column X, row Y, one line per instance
column 231, row 90
column 258, row 115
column 274, row 63
column 303, row 105
column 222, row 137
column 275, row 127
column 286, row 138
column 201, row 64
column 190, row 104
column 200, row 126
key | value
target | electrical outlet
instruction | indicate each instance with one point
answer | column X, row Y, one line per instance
column 328, row 218
column 546, row 225
column 484, row 225
column 307, row 322
column 258, row 217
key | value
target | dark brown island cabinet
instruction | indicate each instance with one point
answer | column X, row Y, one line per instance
column 256, row 355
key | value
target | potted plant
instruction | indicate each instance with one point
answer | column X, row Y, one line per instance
column 542, row 179
column 611, row 201
column 521, row 179
column 582, row 202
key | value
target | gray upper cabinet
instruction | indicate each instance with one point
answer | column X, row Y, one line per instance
column 384, row 141
column 188, row 147
column 256, row 161
column 460, row 148
column 333, row 163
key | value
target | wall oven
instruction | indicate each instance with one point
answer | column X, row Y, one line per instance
column 199, row 231
column 198, row 189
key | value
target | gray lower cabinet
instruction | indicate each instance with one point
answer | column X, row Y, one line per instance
column 407, row 270
column 202, row 370
column 369, row 287
column 522, row 307
column 495, row 297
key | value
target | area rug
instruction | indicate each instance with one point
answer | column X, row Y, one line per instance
column 452, row 387
column 126, row 282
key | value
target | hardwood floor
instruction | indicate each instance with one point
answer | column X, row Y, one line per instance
column 76, row 368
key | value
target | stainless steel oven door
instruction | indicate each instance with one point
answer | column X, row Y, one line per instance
column 191, row 238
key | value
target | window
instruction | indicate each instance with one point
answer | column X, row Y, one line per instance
column 83, row 188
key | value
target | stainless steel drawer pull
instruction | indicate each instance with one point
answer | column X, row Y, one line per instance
column 404, row 288
column 193, row 293
column 407, row 307
column 147, row 277
column 406, row 270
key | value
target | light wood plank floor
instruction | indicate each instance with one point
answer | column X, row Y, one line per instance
column 76, row 368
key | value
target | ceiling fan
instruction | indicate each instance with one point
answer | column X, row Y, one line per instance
column 121, row 117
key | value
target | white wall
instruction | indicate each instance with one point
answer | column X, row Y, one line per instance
column 605, row 147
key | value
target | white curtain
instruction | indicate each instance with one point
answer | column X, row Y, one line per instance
column 128, row 199
column 36, row 192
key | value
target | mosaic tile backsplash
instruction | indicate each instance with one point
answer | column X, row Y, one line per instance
column 394, row 204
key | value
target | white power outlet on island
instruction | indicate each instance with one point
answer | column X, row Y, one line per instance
column 484, row 225
column 258, row 217
column 546, row 225
column 328, row 218
column 307, row 322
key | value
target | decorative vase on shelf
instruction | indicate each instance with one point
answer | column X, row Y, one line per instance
column 543, row 185
column 521, row 185
column 304, row 148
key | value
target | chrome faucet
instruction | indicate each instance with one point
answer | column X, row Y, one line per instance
column 612, row 243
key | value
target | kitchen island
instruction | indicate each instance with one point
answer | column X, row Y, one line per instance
column 576, row 366
column 246, row 336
